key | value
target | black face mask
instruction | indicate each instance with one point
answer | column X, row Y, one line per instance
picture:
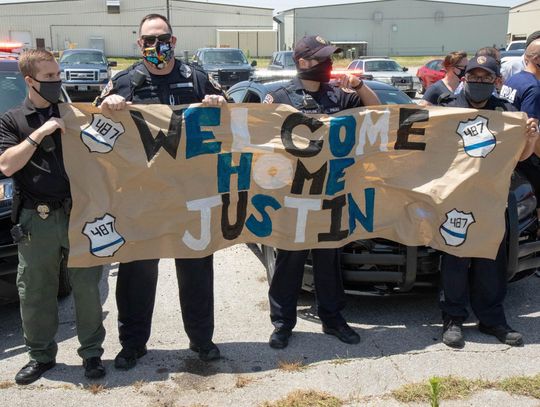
column 461, row 73
column 318, row 73
column 50, row 91
column 478, row 92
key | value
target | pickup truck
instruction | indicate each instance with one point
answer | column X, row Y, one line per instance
column 226, row 65
column 85, row 70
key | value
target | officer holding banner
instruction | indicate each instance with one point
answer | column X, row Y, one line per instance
column 481, row 281
column 312, row 92
column 31, row 152
column 160, row 78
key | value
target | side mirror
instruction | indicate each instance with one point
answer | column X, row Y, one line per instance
column 112, row 63
column 405, row 69
column 253, row 63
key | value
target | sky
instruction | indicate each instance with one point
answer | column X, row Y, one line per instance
column 278, row 5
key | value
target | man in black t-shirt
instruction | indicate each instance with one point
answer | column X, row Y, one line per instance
column 480, row 281
column 311, row 92
column 160, row 78
column 31, row 152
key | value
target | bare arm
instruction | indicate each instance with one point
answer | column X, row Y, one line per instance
column 533, row 144
column 16, row 157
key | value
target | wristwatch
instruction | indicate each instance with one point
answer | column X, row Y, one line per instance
column 359, row 86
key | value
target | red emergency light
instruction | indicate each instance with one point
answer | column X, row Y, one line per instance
column 10, row 46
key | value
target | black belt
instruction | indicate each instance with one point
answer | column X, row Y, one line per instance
column 34, row 204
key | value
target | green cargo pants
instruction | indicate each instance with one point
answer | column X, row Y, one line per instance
column 40, row 256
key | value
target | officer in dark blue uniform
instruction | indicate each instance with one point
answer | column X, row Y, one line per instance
column 311, row 92
column 481, row 281
column 160, row 78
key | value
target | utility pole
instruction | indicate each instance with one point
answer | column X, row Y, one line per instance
column 168, row 10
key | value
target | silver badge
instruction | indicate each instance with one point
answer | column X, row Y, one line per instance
column 185, row 70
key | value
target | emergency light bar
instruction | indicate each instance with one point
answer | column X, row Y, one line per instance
column 10, row 46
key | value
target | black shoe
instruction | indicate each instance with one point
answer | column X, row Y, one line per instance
column 503, row 333
column 127, row 358
column 32, row 371
column 280, row 338
column 93, row 368
column 207, row 352
column 452, row 334
column 344, row 333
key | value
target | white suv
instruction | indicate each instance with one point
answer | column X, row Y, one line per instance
column 386, row 70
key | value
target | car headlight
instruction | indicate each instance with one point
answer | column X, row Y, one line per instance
column 63, row 75
column 6, row 190
column 526, row 207
column 383, row 80
column 103, row 75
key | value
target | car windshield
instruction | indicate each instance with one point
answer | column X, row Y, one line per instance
column 385, row 65
column 288, row 61
column 224, row 57
column 12, row 90
column 392, row 97
column 516, row 45
column 78, row 58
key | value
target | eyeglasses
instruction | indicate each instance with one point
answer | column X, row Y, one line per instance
column 151, row 40
column 479, row 79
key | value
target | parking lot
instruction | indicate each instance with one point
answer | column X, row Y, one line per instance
column 400, row 344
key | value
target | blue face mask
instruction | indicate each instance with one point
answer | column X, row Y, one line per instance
column 159, row 55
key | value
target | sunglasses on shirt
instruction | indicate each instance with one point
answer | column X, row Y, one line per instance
column 151, row 40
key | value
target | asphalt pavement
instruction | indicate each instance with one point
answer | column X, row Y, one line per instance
column 400, row 344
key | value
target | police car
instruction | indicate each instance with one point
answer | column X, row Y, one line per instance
column 384, row 266
column 12, row 93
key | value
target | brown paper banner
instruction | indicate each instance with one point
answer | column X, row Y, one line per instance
column 170, row 182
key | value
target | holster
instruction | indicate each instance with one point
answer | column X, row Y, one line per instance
column 16, row 205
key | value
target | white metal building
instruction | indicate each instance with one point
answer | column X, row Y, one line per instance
column 399, row 27
column 524, row 19
column 112, row 25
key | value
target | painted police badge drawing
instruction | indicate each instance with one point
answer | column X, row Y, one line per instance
column 454, row 229
column 101, row 134
column 478, row 140
column 104, row 239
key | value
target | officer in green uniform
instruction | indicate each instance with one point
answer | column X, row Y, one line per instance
column 161, row 79
column 31, row 152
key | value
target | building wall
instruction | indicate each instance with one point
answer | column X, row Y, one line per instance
column 524, row 19
column 406, row 27
column 61, row 23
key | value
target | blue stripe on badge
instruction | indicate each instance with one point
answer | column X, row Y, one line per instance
column 97, row 249
column 95, row 139
column 480, row 145
column 455, row 234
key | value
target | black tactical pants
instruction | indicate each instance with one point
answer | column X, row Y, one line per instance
column 480, row 282
column 287, row 282
column 136, row 293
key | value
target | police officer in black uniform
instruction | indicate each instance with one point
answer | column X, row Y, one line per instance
column 160, row 78
column 31, row 152
column 481, row 281
column 311, row 92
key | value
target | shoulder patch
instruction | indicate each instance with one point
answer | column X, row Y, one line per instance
column 107, row 89
column 214, row 83
column 268, row 98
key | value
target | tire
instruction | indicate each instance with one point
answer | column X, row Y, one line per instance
column 64, row 285
column 269, row 257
